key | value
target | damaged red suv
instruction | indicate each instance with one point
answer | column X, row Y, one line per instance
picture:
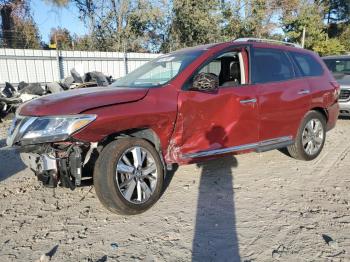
column 184, row 107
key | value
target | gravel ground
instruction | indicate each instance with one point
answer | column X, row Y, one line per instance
column 253, row 207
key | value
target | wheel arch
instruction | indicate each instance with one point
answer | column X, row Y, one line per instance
column 144, row 133
column 147, row 134
column 321, row 110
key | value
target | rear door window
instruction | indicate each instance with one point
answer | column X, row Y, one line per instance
column 271, row 65
column 307, row 64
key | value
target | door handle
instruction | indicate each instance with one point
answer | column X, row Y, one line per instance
column 304, row 92
column 248, row 101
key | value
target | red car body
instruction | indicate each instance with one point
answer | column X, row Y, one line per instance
column 180, row 118
column 226, row 98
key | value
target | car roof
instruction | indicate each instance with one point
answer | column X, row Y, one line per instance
column 336, row 57
column 195, row 48
column 240, row 43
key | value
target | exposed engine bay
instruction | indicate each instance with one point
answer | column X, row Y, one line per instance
column 60, row 162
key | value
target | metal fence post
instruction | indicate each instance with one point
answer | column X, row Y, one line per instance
column 60, row 69
column 126, row 63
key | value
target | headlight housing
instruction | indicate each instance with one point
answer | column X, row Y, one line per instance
column 35, row 130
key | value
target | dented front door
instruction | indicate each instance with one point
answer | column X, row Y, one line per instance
column 209, row 122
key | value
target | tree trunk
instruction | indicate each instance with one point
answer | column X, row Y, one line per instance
column 7, row 25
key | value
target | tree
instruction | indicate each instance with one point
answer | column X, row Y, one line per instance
column 7, row 23
column 193, row 23
column 304, row 15
column 344, row 38
column 82, row 43
column 166, row 25
column 253, row 18
column 335, row 10
column 329, row 47
column 118, row 25
column 61, row 37
column 18, row 27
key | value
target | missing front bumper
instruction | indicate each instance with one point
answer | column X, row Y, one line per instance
column 58, row 167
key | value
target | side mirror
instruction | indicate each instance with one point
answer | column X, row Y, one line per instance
column 206, row 82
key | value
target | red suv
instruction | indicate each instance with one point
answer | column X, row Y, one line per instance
column 184, row 107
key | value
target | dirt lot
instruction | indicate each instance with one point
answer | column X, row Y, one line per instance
column 254, row 207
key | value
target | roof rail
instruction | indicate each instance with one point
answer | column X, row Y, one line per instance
column 262, row 40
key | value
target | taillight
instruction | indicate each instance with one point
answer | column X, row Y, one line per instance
column 336, row 86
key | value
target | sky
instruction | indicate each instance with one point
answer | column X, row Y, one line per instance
column 47, row 16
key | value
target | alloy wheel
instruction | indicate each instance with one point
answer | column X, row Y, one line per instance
column 136, row 175
column 313, row 136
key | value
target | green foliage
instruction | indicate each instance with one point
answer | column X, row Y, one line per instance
column 26, row 34
column 118, row 25
column 335, row 10
column 167, row 25
column 345, row 38
column 82, row 43
column 251, row 18
column 61, row 37
column 18, row 27
column 193, row 23
column 308, row 16
column 329, row 47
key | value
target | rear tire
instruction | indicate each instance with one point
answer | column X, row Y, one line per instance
column 128, row 176
column 310, row 138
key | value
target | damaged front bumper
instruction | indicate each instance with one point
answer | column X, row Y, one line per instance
column 58, row 162
column 52, row 162
column 43, row 166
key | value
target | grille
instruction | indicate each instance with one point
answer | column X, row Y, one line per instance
column 344, row 94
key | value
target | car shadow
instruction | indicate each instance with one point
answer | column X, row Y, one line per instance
column 10, row 162
column 168, row 177
column 215, row 236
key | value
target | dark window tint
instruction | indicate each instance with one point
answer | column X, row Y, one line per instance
column 340, row 65
column 307, row 64
column 270, row 65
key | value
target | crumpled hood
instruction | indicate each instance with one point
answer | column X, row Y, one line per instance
column 80, row 100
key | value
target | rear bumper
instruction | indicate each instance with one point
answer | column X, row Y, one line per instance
column 333, row 114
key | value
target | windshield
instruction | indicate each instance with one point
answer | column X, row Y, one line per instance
column 158, row 71
column 341, row 65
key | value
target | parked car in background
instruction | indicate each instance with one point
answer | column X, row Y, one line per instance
column 340, row 67
column 184, row 107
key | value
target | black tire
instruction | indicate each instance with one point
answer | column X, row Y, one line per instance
column 297, row 150
column 105, row 182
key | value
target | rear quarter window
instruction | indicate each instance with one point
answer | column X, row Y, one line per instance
column 307, row 64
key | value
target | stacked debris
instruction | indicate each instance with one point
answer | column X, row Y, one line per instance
column 12, row 97
column 90, row 79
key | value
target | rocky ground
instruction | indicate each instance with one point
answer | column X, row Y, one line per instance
column 253, row 207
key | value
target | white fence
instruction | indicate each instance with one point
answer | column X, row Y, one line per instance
column 45, row 66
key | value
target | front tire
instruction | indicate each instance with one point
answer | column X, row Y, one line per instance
column 128, row 176
column 310, row 138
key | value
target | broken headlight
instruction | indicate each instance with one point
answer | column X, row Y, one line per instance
column 53, row 128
